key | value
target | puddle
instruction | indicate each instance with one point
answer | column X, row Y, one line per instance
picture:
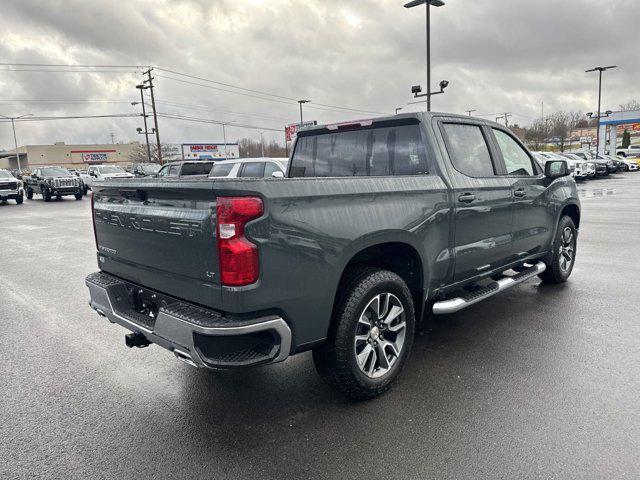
column 596, row 192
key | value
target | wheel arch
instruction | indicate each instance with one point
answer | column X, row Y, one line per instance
column 397, row 256
column 571, row 210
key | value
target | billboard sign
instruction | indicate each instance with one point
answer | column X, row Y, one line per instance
column 290, row 131
column 210, row 151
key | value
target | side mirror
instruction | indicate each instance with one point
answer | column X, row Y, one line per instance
column 277, row 174
column 556, row 169
column 92, row 174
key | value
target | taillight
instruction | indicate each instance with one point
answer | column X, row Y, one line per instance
column 239, row 261
column 93, row 219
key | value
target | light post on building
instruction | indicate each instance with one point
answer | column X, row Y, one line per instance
column 15, row 139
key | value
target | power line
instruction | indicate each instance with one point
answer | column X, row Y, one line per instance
column 216, row 122
column 73, row 117
column 69, row 65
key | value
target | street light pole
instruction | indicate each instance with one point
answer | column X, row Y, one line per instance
column 428, row 4
column 262, row 144
column 15, row 139
column 599, row 70
column 301, row 102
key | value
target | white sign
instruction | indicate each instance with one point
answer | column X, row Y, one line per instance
column 210, row 151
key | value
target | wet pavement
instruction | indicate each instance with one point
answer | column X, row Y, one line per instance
column 538, row 382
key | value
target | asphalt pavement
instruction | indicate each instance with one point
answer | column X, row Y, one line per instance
column 537, row 382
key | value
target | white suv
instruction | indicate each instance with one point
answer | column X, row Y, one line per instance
column 250, row 167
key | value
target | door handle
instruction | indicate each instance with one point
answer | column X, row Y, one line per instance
column 521, row 192
column 467, row 197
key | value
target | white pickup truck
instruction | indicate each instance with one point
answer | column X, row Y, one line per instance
column 631, row 151
column 101, row 172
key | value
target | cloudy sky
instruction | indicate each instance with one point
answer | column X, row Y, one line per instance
column 498, row 55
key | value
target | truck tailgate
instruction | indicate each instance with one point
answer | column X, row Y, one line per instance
column 160, row 235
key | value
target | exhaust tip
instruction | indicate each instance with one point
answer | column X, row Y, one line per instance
column 136, row 339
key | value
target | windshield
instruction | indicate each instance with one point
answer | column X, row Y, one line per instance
column 150, row 168
column 5, row 174
column 111, row 169
column 56, row 172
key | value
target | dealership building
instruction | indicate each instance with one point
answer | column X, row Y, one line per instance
column 72, row 156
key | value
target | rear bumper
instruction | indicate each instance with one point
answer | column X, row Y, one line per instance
column 199, row 336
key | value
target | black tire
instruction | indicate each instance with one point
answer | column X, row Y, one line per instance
column 29, row 194
column 20, row 199
column 78, row 195
column 85, row 190
column 46, row 194
column 336, row 360
column 558, row 271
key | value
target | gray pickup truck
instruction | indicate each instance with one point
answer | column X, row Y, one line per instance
column 378, row 225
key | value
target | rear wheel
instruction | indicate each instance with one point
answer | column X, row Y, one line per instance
column 20, row 199
column 371, row 334
column 562, row 258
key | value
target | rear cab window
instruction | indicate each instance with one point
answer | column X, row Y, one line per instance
column 387, row 149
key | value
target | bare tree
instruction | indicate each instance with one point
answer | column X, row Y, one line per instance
column 139, row 153
column 630, row 105
column 562, row 123
column 250, row 148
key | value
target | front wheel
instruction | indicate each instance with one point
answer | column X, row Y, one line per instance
column 78, row 195
column 46, row 194
column 19, row 199
column 563, row 255
column 29, row 194
column 370, row 336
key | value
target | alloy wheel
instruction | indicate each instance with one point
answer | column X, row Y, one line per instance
column 567, row 249
column 380, row 335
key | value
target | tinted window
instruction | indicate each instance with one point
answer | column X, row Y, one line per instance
column 371, row 152
column 515, row 158
column 202, row 168
column 253, row 169
column 55, row 172
column 271, row 167
column 221, row 170
column 468, row 150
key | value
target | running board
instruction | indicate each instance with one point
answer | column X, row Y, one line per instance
column 452, row 305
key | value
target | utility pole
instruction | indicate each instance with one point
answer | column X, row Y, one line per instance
column 113, row 136
column 224, row 139
column 142, row 87
column 155, row 115
column 15, row 139
column 505, row 116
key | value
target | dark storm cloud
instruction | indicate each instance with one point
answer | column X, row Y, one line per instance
column 499, row 55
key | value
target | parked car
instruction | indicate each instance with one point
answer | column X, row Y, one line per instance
column 144, row 169
column 192, row 168
column 382, row 223
column 629, row 164
column 631, row 151
column 250, row 167
column 53, row 182
column 603, row 167
column 102, row 172
column 576, row 165
column 11, row 188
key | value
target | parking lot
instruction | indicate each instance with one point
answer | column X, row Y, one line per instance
column 538, row 382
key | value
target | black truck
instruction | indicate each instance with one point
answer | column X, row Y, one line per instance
column 379, row 225
column 53, row 182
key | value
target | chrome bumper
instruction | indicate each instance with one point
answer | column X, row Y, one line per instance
column 172, row 329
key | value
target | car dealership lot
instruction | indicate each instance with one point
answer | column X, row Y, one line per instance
column 535, row 382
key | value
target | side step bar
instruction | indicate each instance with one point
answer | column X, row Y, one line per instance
column 452, row 305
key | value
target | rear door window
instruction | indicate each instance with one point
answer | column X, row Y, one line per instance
column 271, row 167
column 252, row 169
column 395, row 150
column 202, row 168
column 468, row 150
column 174, row 170
column 221, row 170
column 516, row 159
